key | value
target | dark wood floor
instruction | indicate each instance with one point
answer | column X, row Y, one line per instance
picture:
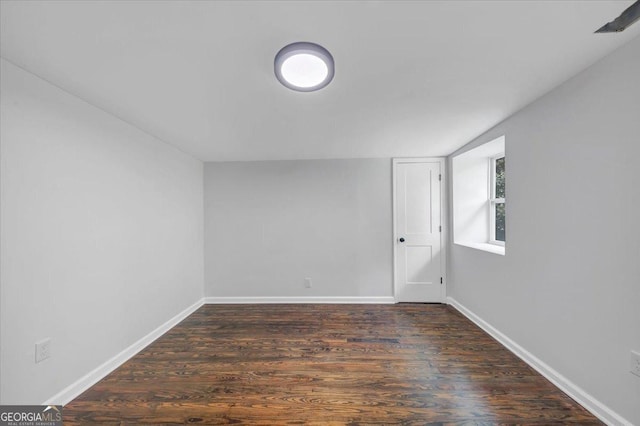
column 325, row 364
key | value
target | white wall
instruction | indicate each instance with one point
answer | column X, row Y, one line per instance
column 102, row 235
column 568, row 289
column 269, row 225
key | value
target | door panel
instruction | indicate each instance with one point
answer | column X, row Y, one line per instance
column 417, row 227
column 419, row 261
column 417, row 211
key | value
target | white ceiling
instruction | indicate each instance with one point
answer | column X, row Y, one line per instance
column 412, row 78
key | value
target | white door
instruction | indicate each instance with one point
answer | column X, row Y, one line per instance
column 418, row 230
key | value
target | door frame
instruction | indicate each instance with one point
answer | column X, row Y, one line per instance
column 444, row 218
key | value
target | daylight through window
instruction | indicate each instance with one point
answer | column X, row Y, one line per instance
column 497, row 201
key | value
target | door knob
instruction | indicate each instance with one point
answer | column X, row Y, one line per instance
column 402, row 240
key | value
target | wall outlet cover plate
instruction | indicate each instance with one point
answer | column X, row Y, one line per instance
column 635, row 363
column 43, row 350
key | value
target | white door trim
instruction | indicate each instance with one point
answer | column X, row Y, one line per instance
column 444, row 219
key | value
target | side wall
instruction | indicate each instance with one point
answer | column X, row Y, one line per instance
column 568, row 289
column 99, row 221
column 271, row 224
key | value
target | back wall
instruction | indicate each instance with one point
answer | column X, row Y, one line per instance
column 271, row 224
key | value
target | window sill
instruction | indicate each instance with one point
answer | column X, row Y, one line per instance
column 491, row 248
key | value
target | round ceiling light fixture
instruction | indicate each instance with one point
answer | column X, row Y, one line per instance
column 304, row 67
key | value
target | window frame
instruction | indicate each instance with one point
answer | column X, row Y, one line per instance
column 493, row 201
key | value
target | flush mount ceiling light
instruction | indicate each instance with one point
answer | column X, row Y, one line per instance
column 304, row 67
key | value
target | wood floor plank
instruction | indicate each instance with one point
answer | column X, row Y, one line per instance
column 325, row 364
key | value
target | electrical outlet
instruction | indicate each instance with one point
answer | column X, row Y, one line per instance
column 308, row 283
column 635, row 363
column 43, row 350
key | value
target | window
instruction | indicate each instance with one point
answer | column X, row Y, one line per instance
column 497, row 227
column 478, row 195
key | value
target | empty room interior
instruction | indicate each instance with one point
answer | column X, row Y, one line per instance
column 320, row 212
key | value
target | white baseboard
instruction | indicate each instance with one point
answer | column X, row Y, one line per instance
column 263, row 300
column 600, row 410
column 75, row 389
column 583, row 398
